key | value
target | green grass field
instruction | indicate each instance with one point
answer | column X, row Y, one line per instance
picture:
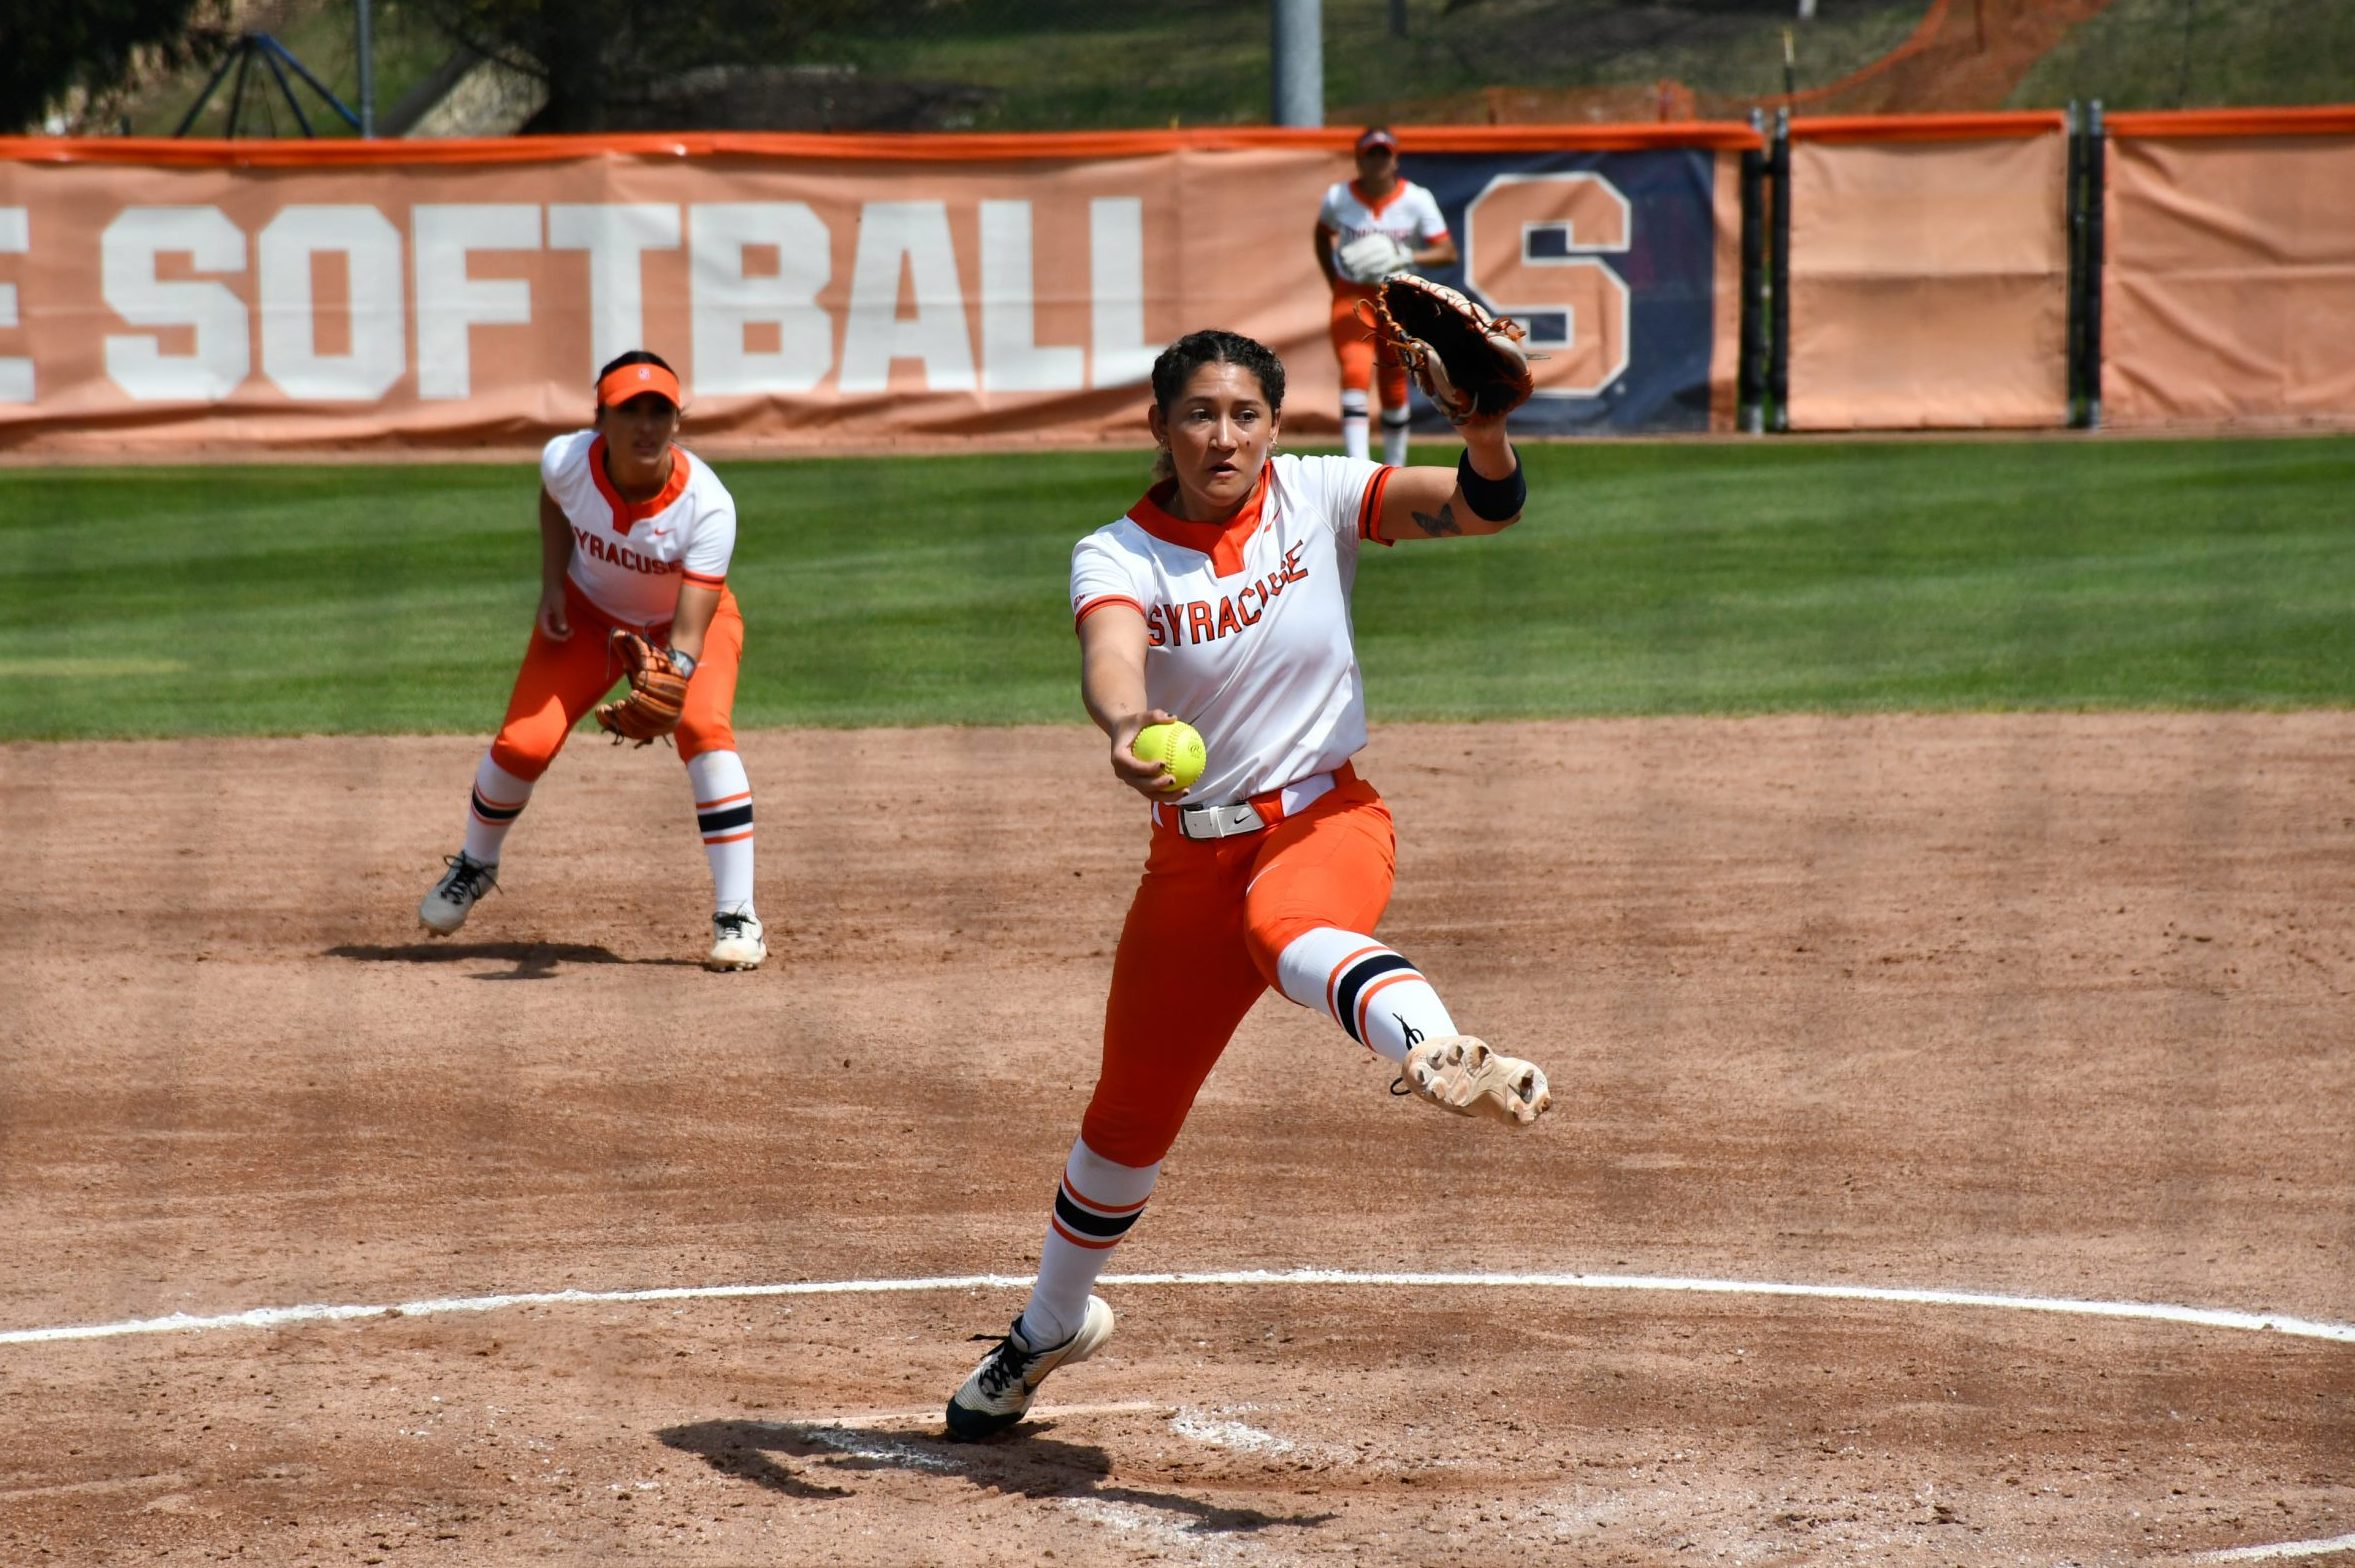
column 1735, row 577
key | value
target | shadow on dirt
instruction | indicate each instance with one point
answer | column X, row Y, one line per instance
column 1027, row 1464
column 532, row 960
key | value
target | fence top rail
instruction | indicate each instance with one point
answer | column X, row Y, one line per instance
column 1927, row 127
column 913, row 147
column 2323, row 120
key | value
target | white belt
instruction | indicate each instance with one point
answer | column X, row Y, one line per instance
column 1244, row 817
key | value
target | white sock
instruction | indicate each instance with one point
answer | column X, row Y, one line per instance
column 499, row 798
column 1094, row 1207
column 1353, row 424
column 1382, row 1000
column 1394, row 423
column 723, row 813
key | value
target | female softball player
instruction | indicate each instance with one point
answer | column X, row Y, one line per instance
column 1377, row 223
column 1223, row 597
column 635, row 534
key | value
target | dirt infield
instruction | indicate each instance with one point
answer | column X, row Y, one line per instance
column 2038, row 1010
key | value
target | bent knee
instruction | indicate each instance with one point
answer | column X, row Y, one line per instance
column 525, row 750
column 694, row 739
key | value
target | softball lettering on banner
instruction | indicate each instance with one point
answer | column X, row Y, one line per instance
column 815, row 293
column 756, row 273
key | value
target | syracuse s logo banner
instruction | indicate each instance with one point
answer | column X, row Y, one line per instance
column 1534, row 249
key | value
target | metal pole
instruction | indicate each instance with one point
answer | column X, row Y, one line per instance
column 245, row 54
column 2097, row 182
column 286, row 89
column 1750, row 379
column 1296, row 57
column 1778, row 367
column 2073, row 220
column 367, row 72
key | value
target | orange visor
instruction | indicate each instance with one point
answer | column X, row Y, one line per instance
column 629, row 381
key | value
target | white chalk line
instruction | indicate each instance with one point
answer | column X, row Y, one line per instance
column 2145, row 1311
column 2280, row 1549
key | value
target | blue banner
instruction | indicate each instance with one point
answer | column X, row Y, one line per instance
column 1609, row 259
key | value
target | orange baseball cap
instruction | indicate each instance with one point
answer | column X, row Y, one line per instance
column 1379, row 136
column 631, row 381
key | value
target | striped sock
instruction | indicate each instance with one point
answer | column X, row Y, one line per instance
column 1094, row 1207
column 723, row 814
column 1394, row 435
column 499, row 798
column 1381, row 1000
column 1353, row 424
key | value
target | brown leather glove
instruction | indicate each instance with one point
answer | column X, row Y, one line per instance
column 657, row 692
column 1467, row 360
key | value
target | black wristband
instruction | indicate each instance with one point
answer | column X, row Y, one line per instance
column 1491, row 500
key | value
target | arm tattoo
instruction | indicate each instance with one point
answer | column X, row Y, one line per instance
column 1439, row 524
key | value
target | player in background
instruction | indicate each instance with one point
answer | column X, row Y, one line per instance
column 635, row 533
column 1378, row 202
column 1223, row 598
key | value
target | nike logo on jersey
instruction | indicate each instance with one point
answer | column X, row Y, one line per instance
column 1201, row 621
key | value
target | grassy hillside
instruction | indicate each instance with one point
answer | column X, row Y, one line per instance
column 1721, row 578
column 1079, row 64
column 323, row 35
column 1058, row 64
column 2174, row 54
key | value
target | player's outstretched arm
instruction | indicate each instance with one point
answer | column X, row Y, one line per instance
column 1482, row 494
column 1112, row 684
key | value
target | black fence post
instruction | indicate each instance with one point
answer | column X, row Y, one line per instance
column 1750, row 380
column 2073, row 216
column 1778, row 370
column 2097, row 183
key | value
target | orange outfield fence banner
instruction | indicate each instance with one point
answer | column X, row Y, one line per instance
column 1927, row 127
column 2320, row 120
column 816, row 293
column 2228, row 276
column 938, row 146
column 1929, row 281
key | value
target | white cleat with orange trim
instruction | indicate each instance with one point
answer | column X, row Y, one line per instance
column 1458, row 1073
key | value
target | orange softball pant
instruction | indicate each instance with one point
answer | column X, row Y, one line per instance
column 1361, row 353
column 561, row 681
column 1200, row 944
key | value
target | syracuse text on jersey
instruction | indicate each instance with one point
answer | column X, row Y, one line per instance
column 1198, row 622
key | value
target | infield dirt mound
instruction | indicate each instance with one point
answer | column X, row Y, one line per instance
column 2032, row 1005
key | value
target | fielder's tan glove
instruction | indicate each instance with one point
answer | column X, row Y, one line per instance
column 658, row 692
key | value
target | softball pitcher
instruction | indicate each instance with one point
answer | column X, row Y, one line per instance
column 635, row 535
column 1223, row 598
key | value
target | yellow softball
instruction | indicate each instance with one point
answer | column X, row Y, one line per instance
column 1177, row 745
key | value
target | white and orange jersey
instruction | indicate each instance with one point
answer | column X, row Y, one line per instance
column 1247, row 626
column 630, row 557
column 1409, row 214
